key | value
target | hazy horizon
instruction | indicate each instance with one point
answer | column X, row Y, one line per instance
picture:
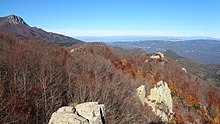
column 128, row 38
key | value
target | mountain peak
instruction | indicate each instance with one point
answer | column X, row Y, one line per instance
column 13, row 19
column 16, row 25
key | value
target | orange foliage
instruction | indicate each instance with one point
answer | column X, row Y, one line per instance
column 139, row 74
column 144, row 74
column 173, row 88
column 192, row 100
column 157, row 76
column 121, row 66
column 216, row 120
column 126, row 64
column 177, row 119
column 213, row 97
column 185, row 85
column 151, row 79
column 111, row 59
column 132, row 74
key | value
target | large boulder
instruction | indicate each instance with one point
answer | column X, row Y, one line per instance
column 92, row 111
column 85, row 113
column 160, row 100
column 67, row 115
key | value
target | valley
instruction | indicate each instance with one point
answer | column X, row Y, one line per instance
column 204, row 51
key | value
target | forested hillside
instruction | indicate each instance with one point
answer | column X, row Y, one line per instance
column 37, row 78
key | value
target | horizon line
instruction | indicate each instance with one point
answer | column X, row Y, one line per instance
column 138, row 33
column 148, row 36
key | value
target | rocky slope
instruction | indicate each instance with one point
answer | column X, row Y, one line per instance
column 15, row 24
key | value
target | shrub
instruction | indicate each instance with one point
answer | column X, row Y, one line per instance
column 197, row 106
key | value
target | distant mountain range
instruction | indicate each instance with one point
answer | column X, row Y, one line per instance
column 139, row 38
column 15, row 24
column 205, row 51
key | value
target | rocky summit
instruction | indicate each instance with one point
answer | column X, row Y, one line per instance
column 14, row 24
column 13, row 19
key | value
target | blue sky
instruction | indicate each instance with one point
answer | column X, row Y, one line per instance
column 119, row 17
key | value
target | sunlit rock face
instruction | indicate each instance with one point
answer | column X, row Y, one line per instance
column 92, row 111
column 141, row 93
column 158, row 55
column 85, row 113
column 13, row 19
column 183, row 69
column 67, row 115
column 160, row 100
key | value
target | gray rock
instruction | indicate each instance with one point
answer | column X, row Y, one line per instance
column 92, row 111
column 13, row 19
column 141, row 93
column 161, row 101
column 85, row 113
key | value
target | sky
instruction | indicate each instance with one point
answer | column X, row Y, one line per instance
column 119, row 17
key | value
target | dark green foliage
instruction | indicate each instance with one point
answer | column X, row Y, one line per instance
column 197, row 106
